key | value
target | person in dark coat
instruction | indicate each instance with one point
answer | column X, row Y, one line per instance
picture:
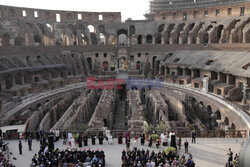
column 20, row 147
column 193, row 136
column 100, row 137
column 37, row 136
column 79, row 139
column 179, row 143
column 150, row 141
column 186, row 146
column 30, row 144
column 127, row 137
column 120, row 138
column 85, row 140
column 1, row 133
column 93, row 139
column 142, row 139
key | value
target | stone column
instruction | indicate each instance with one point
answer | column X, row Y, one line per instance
column 189, row 40
column 231, row 38
column 166, row 70
column 170, row 40
column 205, row 84
column 12, row 43
column 162, row 41
column 198, row 40
column 143, row 40
column 153, row 42
column 1, row 107
column 180, row 40
column 13, row 81
column 22, row 79
column 244, row 99
column 192, row 73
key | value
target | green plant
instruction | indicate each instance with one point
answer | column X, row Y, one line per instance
column 168, row 149
column 147, row 127
column 161, row 127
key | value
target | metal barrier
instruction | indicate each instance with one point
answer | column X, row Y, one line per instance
column 115, row 133
column 161, row 5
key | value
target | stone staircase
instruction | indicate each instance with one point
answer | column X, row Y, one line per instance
column 119, row 116
column 136, row 121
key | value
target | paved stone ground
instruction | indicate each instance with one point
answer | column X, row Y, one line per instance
column 208, row 152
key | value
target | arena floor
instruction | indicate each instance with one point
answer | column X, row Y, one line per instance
column 209, row 152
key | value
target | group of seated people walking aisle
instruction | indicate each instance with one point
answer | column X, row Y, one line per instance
column 69, row 158
column 142, row 158
column 78, row 157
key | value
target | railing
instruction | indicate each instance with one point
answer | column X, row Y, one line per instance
column 115, row 133
column 161, row 5
column 245, row 117
column 12, row 104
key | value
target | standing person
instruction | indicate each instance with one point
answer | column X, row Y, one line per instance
column 186, row 146
column 164, row 139
column 72, row 141
column 79, row 139
column 179, row 143
column 120, row 138
column 135, row 141
column 193, row 136
column 230, row 156
column 150, row 141
column 127, row 137
column 64, row 138
column 37, row 136
column 30, row 143
column 27, row 134
column 142, row 139
column 85, row 140
column 93, row 138
column 173, row 140
column 20, row 147
column 157, row 143
column 100, row 137
column 1, row 133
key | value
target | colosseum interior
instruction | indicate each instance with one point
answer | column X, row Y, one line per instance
column 201, row 58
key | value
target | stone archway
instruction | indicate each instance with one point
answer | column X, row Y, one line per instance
column 89, row 60
column 105, row 66
column 6, row 40
column 149, row 39
column 19, row 41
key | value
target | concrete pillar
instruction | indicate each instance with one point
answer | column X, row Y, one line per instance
column 13, row 81
column 192, row 73
column 166, row 71
column 198, row 40
column 189, row 40
column 170, row 40
column 231, row 38
column 227, row 78
column 1, row 107
column 22, row 79
column 162, row 41
column 153, row 42
column 180, row 40
column 205, row 85
column 26, row 39
column 143, row 40
column 244, row 99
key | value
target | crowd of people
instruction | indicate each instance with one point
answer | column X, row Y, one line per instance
column 142, row 158
column 4, row 162
column 69, row 158
column 232, row 161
